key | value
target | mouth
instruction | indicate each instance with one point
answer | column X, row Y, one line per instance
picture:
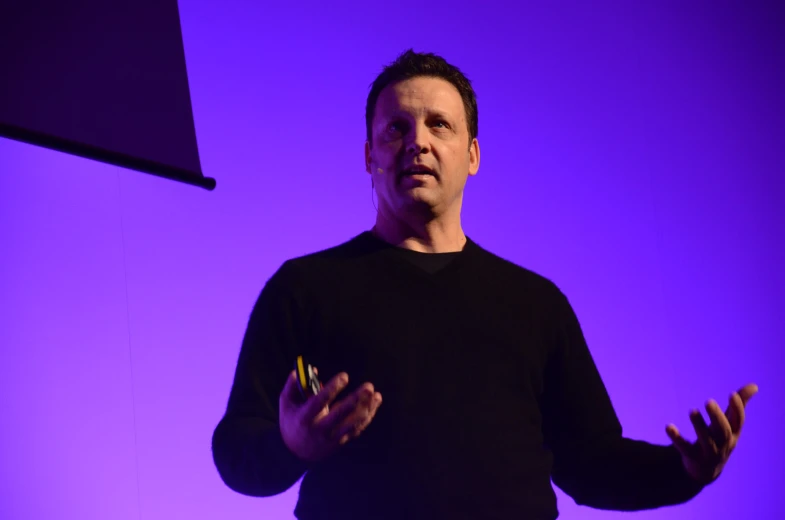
column 417, row 169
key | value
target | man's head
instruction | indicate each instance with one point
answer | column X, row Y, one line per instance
column 421, row 115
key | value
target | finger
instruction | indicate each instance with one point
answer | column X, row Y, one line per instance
column 735, row 413
column 357, row 403
column 291, row 393
column 350, row 434
column 681, row 444
column 720, row 427
column 364, row 418
column 355, row 425
column 747, row 392
column 341, row 411
column 316, row 373
column 702, row 431
column 316, row 403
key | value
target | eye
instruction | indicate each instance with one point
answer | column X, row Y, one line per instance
column 442, row 123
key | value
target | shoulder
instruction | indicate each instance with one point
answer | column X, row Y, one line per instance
column 517, row 277
column 330, row 262
column 352, row 250
column 518, row 285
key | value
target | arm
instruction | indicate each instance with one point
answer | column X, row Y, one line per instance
column 592, row 461
column 247, row 446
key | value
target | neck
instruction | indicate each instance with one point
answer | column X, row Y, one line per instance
column 432, row 236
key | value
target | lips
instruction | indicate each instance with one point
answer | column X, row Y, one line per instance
column 417, row 169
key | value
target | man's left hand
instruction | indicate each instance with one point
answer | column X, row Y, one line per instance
column 705, row 458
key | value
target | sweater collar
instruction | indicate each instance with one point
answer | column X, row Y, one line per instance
column 378, row 244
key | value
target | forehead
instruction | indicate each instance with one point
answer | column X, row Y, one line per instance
column 420, row 96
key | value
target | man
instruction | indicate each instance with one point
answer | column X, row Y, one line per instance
column 487, row 384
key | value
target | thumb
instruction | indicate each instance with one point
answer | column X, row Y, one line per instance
column 290, row 393
column 679, row 442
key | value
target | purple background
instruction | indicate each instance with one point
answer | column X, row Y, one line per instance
column 632, row 154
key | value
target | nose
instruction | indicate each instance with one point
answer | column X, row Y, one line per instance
column 418, row 140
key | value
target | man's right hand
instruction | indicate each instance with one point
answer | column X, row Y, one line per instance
column 315, row 428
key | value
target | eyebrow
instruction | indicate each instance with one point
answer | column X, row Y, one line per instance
column 430, row 112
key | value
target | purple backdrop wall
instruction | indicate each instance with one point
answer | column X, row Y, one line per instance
column 632, row 154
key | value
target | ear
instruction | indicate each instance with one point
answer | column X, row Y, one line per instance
column 474, row 157
column 368, row 159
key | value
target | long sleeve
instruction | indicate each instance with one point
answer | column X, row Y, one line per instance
column 248, row 450
column 592, row 461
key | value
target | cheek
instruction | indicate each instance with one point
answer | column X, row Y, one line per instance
column 386, row 153
column 457, row 163
column 384, row 179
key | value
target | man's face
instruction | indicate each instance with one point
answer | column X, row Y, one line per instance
column 421, row 154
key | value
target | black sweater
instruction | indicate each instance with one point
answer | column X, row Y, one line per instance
column 489, row 391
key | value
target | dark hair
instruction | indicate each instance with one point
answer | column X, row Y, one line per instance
column 411, row 64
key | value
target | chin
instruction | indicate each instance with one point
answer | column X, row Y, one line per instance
column 417, row 206
column 420, row 194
